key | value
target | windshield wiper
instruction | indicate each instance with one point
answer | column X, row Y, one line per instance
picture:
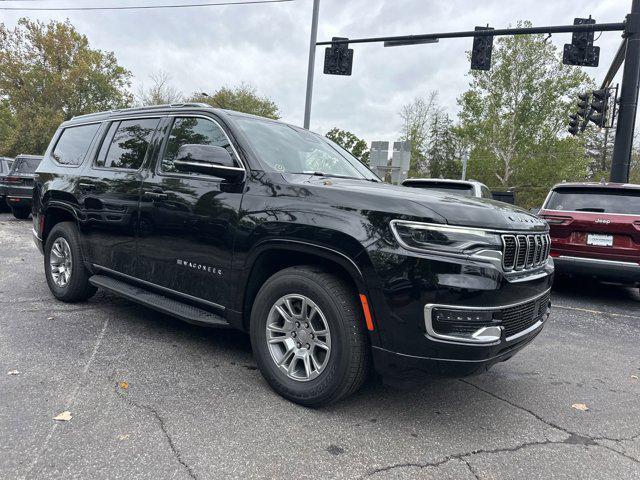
column 590, row 209
column 331, row 175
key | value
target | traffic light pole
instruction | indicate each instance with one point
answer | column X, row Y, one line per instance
column 628, row 98
column 312, row 61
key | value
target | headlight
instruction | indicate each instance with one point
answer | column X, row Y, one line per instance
column 428, row 237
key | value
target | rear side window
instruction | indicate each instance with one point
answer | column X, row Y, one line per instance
column 73, row 144
column 126, row 143
column 25, row 165
column 603, row 200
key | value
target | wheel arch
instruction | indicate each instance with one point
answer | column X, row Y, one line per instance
column 275, row 255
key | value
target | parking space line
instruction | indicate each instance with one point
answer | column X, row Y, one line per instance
column 598, row 312
column 72, row 398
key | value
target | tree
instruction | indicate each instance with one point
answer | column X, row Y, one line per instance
column 515, row 117
column 160, row 92
column 242, row 98
column 416, row 119
column 48, row 74
column 445, row 149
column 350, row 142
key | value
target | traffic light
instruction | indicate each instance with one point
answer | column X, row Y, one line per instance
column 573, row 124
column 481, row 52
column 581, row 50
column 338, row 58
column 583, row 104
column 600, row 107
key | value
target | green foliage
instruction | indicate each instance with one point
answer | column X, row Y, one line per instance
column 416, row 121
column 242, row 98
column 48, row 74
column 515, row 115
column 347, row 140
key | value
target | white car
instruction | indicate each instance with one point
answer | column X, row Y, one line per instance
column 468, row 188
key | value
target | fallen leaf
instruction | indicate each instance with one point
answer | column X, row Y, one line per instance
column 123, row 385
column 124, row 437
column 63, row 417
column 580, row 406
column 16, row 372
column 49, row 318
column 635, row 377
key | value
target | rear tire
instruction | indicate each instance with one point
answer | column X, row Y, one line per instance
column 20, row 212
column 336, row 311
column 67, row 277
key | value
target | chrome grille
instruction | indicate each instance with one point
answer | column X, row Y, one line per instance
column 523, row 252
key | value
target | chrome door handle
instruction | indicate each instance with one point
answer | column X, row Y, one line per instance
column 158, row 195
column 86, row 186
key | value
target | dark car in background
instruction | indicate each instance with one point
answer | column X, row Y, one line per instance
column 5, row 166
column 595, row 230
column 231, row 220
column 18, row 184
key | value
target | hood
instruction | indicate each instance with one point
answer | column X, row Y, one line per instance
column 428, row 204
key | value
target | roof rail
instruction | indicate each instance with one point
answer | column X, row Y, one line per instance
column 150, row 108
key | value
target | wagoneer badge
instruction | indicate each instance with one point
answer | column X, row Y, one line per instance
column 199, row 266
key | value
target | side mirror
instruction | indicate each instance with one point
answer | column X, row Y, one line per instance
column 207, row 159
column 534, row 210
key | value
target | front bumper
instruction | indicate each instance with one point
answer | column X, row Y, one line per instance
column 413, row 286
column 612, row 270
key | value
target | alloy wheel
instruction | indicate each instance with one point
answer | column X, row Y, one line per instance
column 298, row 337
column 60, row 262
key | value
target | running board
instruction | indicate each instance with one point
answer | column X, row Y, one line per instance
column 158, row 302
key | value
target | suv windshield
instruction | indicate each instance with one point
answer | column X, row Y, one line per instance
column 457, row 188
column 602, row 200
column 287, row 149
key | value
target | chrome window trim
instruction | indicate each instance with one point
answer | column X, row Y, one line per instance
column 433, row 335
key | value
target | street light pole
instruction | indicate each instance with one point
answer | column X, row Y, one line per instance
column 628, row 98
column 312, row 61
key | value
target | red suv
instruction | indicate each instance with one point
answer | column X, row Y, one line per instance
column 595, row 230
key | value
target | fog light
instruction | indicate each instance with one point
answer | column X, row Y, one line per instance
column 461, row 325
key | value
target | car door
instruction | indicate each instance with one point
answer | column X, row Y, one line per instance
column 109, row 190
column 188, row 220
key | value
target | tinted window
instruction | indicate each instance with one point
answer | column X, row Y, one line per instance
column 126, row 142
column 25, row 165
column 595, row 200
column 74, row 143
column 459, row 189
column 194, row 131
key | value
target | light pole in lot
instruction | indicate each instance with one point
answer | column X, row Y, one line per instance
column 312, row 61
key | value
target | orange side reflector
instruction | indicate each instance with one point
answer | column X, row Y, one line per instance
column 367, row 313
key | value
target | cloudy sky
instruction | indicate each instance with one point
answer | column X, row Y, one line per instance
column 267, row 46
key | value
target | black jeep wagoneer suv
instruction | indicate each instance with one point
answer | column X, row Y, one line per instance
column 227, row 219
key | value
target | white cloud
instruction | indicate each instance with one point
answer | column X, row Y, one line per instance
column 267, row 46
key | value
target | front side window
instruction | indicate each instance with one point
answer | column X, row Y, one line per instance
column 286, row 149
column 126, row 143
column 193, row 131
column 73, row 144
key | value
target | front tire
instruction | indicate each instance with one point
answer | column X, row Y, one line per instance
column 307, row 334
column 67, row 277
column 20, row 212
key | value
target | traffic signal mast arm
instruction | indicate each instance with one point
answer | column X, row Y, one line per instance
column 596, row 27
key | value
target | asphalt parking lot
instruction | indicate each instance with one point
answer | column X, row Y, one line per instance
column 151, row 397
